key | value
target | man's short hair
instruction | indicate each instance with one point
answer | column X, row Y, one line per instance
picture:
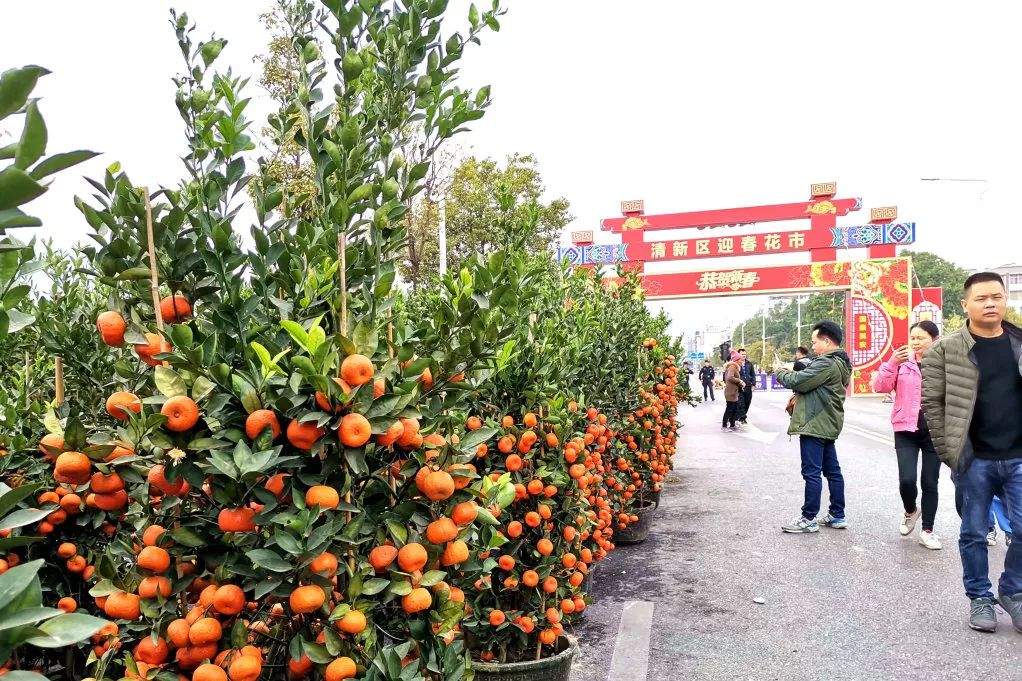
column 829, row 330
column 741, row 349
column 803, row 349
column 981, row 277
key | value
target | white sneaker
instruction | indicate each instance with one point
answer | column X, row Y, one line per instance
column 992, row 537
column 908, row 523
column 930, row 540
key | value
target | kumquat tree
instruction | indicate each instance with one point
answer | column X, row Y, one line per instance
column 268, row 459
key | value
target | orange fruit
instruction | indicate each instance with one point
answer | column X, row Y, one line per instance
column 152, row 535
column 530, row 578
column 275, row 484
column 464, row 513
column 209, row 672
column 228, row 599
column 122, row 606
column 51, row 445
column 155, row 344
column 154, row 559
column 357, row 370
column 106, row 484
column 355, row 430
column 340, row 669
column 417, row 600
column 236, row 519
column 506, row 562
column 67, row 550
column 260, row 420
column 324, row 564
column 72, row 468
column 177, row 632
column 381, row 557
column 121, row 402
column 153, row 586
column 353, row 622
column 303, row 435
column 157, row 478
column 322, row 496
column 67, row 604
column 410, row 437
column 454, row 553
column 412, row 557
column 175, row 308
column 205, row 630
column 306, row 599
column 497, row 618
column 441, row 531
column 392, row 434
column 245, row 668
column 152, row 652
column 299, row 669
column 530, row 420
column 182, row 413
column 111, row 327
column 437, row 485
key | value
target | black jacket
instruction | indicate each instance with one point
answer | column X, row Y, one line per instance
column 748, row 374
column 707, row 374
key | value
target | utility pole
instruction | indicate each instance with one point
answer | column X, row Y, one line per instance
column 442, row 237
column 798, row 333
column 763, row 352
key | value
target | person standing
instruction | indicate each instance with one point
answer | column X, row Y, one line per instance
column 902, row 376
column 801, row 358
column 749, row 379
column 972, row 398
column 706, row 375
column 817, row 417
column 733, row 387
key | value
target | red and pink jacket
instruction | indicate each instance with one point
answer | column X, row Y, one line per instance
column 906, row 381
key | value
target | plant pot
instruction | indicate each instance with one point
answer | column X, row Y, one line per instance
column 557, row 667
column 652, row 496
column 636, row 532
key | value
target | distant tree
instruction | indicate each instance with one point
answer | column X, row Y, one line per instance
column 929, row 269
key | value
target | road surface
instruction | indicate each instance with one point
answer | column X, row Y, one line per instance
column 862, row 603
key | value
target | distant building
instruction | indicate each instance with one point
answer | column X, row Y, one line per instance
column 1012, row 274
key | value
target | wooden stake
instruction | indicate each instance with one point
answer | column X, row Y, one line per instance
column 58, row 381
column 154, row 275
column 28, row 375
column 342, row 257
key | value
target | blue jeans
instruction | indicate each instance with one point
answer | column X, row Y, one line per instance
column 820, row 456
column 978, row 484
column 998, row 513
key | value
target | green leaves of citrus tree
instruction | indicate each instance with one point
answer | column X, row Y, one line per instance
column 21, row 181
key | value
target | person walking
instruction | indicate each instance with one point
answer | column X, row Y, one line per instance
column 801, row 358
column 901, row 375
column 706, row 375
column 733, row 387
column 972, row 398
column 817, row 417
column 749, row 379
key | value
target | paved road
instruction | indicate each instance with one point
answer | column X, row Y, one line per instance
column 863, row 603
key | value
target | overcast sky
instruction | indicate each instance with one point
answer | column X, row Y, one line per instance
column 688, row 105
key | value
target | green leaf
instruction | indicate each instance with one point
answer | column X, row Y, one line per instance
column 133, row 273
column 398, row 531
column 365, row 339
column 33, row 138
column 12, row 217
column 22, row 517
column 67, row 629
column 298, row 333
column 248, row 461
column 201, row 388
column 187, row 537
column 264, row 558
column 181, row 335
column 24, row 676
column 15, row 87
column 432, row 577
column 288, row 542
column 474, row 438
column 374, row 586
column 18, row 320
column 211, row 50
column 58, row 162
column 16, row 580
column 169, row 382
column 29, row 616
column 14, row 497
column 486, row 518
column 17, row 187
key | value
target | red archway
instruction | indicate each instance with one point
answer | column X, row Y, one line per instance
column 879, row 300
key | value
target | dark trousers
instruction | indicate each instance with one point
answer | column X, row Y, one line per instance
column 908, row 446
column 745, row 398
column 977, row 485
column 708, row 386
column 820, row 456
column 730, row 414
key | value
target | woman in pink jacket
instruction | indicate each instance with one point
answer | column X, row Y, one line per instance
column 911, row 436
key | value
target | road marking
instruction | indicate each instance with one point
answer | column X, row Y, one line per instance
column 630, row 661
column 752, row 432
column 870, row 435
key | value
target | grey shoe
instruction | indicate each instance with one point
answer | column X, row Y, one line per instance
column 982, row 616
column 1013, row 606
column 801, row 525
column 835, row 523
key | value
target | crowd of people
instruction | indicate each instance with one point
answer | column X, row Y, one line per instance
column 957, row 401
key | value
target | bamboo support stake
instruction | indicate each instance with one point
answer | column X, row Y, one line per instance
column 28, row 376
column 58, row 381
column 154, row 275
column 342, row 257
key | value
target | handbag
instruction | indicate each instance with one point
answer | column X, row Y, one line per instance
column 792, row 401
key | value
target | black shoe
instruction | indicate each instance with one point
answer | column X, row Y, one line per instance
column 1013, row 606
column 982, row 616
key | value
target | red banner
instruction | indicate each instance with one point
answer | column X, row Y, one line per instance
column 733, row 216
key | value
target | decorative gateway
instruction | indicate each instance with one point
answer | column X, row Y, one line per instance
column 878, row 288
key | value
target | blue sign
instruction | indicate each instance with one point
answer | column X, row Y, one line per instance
column 697, row 355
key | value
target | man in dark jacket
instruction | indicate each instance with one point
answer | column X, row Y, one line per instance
column 972, row 398
column 817, row 418
column 706, row 375
column 749, row 378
